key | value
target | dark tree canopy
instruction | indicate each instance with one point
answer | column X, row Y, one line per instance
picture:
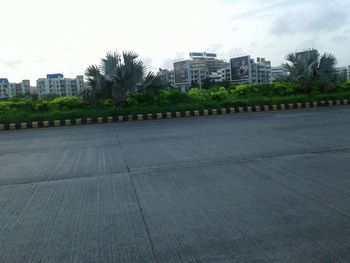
column 118, row 77
column 309, row 67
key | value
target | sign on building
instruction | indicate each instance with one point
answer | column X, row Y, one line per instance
column 181, row 72
column 240, row 68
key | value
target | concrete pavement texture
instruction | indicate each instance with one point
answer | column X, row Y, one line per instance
column 258, row 187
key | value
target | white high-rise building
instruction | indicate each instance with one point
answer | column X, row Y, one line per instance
column 167, row 76
column 245, row 70
column 343, row 73
column 240, row 70
column 9, row 90
column 278, row 73
column 58, row 85
column 199, row 67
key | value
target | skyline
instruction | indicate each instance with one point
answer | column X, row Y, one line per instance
column 67, row 37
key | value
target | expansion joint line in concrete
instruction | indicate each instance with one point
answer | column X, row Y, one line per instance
column 142, row 214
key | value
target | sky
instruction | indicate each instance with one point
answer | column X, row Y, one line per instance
column 49, row 36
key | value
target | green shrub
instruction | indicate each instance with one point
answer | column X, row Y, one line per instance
column 65, row 103
column 198, row 95
column 290, row 99
column 108, row 104
column 343, row 86
column 236, row 103
column 42, row 106
column 259, row 101
column 4, row 107
column 268, row 90
column 284, row 89
column 140, row 99
column 17, row 105
column 19, row 109
column 170, row 97
column 219, row 95
column 246, row 91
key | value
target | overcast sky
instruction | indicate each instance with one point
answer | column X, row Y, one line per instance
column 66, row 36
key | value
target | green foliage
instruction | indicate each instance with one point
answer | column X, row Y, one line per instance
column 16, row 105
column 19, row 109
column 219, row 94
column 343, row 86
column 274, row 89
column 42, row 106
column 50, row 97
column 170, row 97
column 108, row 104
column 140, row 99
column 198, row 95
column 65, row 103
column 118, row 77
column 306, row 68
column 4, row 107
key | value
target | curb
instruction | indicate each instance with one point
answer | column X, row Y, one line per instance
column 170, row 115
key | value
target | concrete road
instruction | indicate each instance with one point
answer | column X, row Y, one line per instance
column 260, row 187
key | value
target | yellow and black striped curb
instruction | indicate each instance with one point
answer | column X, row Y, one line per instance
column 170, row 115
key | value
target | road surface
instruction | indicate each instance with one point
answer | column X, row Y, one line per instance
column 258, row 187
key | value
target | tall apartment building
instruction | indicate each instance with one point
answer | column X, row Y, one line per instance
column 279, row 73
column 221, row 75
column 245, row 70
column 200, row 66
column 10, row 90
column 343, row 73
column 167, row 76
column 58, row 85
column 240, row 70
column 4, row 87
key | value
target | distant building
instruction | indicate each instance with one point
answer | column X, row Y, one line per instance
column 194, row 71
column 279, row 73
column 167, row 76
column 9, row 90
column 343, row 73
column 58, row 85
column 245, row 70
column 261, row 72
column 221, row 75
column 306, row 53
column 4, row 88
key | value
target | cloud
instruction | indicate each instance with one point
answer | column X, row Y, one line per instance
column 214, row 48
column 268, row 9
column 233, row 52
column 13, row 63
column 306, row 20
column 167, row 63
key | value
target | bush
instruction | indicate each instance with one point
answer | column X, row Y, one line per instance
column 198, row 95
column 17, row 105
column 170, row 97
column 108, row 104
column 65, row 103
column 268, row 90
column 4, row 107
column 343, row 86
column 19, row 109
column 42, row 106
column 233, row 101
column 284, row 89
column 220, row 95
column 246, row 91
column 140, row 99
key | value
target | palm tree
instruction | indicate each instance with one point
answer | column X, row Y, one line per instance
column 118, row 77
column 309, row 67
